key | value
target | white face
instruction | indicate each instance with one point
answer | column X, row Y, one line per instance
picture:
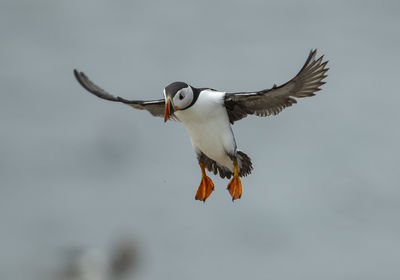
column 183, row 98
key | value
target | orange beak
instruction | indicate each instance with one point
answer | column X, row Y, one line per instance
column 168, row 109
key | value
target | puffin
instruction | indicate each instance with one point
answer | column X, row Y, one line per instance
column 208, row 116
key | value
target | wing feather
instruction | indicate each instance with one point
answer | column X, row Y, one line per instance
column 155, row 107
column 273, row 101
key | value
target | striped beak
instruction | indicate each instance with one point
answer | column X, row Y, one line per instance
column 169, row 109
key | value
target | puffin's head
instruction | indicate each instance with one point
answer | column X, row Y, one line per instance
column 178, row 96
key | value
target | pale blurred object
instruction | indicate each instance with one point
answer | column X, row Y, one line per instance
column 91, row 264
column 96, row 264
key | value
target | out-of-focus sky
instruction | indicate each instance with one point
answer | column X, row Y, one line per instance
column 77, row 171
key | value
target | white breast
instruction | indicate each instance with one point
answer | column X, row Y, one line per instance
column 208, row 126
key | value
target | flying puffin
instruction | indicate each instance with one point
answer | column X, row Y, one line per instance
column 208, row 115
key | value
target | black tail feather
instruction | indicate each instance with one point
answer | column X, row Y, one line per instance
column 244, row 161
column 245, row 165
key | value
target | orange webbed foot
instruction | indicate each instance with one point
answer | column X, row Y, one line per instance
column 235, row 185
column 205, row 189
column 235, row 188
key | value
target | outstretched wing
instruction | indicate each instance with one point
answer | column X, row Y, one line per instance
column 272, row 101
column 155, row 107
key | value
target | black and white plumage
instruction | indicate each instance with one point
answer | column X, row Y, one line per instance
column 208, row 114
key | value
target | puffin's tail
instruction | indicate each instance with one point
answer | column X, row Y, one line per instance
column 244, row 162
column 245, row 165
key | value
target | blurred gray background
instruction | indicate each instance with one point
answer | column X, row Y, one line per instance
column 80, row 172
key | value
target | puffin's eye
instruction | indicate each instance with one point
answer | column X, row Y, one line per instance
column 181, row 96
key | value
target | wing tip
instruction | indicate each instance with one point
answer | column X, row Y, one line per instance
column 80, row 77
column 76, row 73
column 312, row 75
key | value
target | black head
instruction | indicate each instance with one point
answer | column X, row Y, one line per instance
column 178, row 96
column 173, row 88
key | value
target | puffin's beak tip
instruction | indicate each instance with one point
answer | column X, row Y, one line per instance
column 167, row 111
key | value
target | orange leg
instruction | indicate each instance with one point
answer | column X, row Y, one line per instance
column 206, row 185
column 235, row 185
